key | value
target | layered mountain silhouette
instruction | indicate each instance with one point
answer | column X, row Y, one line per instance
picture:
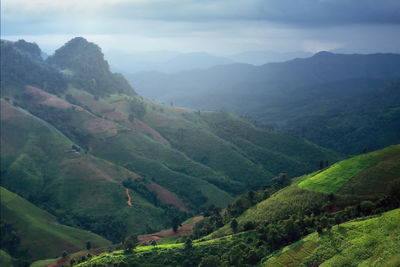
column 307, row 96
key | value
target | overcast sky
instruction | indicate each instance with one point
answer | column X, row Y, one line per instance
column 219, row 27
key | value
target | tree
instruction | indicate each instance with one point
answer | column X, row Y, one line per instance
column 153, row 242
column 130, row 242
column 175, row 224
column 320, row 229
column 324, row 221
column 64, row 254
column 188, row 243
column 88, row 245
column 282, row 180
column 234, row 225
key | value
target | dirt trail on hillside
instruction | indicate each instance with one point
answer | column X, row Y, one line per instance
column 129, row 198
column 184, row 230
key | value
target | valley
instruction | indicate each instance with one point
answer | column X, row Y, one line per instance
column 95, row 174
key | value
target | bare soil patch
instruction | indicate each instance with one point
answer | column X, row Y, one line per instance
column 142, row 127
column 43, row 98
column 8, row 111
column 184, row 230
column 98, row 125
column 166, row 196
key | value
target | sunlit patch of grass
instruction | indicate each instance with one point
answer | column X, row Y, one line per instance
column 333, row 178
column 369, row 242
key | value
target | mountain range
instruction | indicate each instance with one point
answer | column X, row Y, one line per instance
column 330, row 99
column 77, row 142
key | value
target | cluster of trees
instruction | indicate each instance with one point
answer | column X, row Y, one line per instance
column 215, row 218
column 212, row 221
column 260, row 240
column 112, row 228
column 137, row 109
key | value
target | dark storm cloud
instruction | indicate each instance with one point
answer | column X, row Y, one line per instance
column 309, row 12
column 209, row 25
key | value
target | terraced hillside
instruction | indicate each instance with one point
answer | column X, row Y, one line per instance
column 75, row 136
column 42, row 165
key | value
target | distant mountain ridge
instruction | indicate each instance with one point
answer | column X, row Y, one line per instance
column 164, row 61
column 291, row 96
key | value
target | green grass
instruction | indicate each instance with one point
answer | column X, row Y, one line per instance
column 166, row 254
column 332, row 179
column 39, row 231
column 42, row 263
column 368, row 242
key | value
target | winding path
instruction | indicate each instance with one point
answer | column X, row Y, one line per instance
column 129, row 198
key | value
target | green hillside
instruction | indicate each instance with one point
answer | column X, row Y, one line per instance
column 369, row 242
column 334, row 178
column 368, row 236
column 78, row 146
column 366, row 177
column 38, row 163
column 197, row 156
column 38, row 233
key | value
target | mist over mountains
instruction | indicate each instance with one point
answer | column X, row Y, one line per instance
column 172, row 62
column 305, row 96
